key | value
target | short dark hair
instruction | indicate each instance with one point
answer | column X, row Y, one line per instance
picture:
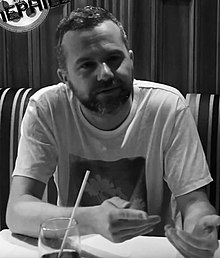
column 83, row 18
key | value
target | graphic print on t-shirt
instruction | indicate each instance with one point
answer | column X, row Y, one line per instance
column 124, row 178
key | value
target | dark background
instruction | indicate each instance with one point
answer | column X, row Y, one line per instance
column 175, row 42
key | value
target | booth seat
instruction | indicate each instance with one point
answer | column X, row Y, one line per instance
column 205, row 109
column 13, row 102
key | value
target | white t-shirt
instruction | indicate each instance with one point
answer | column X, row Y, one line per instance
column 157, row 145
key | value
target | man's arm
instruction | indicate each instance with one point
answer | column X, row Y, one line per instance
column 112, row 219
column 193, row 206
column 199, row 235
column 25, row 210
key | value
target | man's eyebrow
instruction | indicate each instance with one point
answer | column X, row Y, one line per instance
column 83, row 59
column 90, row 58
column 115, row 51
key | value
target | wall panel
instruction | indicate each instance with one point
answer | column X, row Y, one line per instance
column 28, row 58
column 48, row 62
column 3, row 58
column 207, row 26
column 141, row 38
column 217, row 82
column 174, row 42
column 16, row 55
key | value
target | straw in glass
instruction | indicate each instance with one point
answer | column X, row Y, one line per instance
column 74, row 209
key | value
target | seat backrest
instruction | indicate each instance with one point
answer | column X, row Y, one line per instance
column 13, row 103
column 205, row 109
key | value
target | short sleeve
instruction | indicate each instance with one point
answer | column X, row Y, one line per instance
column 37, row 151
column 186, row 168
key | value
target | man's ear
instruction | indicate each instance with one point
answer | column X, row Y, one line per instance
column 131, row 54
column 62, row 74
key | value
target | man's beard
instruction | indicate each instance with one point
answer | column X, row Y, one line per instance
column 103, row 103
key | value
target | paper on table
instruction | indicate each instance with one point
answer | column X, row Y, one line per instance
column 138, row 247
column 101, row 247
column 15, row 247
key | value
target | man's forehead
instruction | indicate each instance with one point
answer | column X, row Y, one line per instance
column 105, row 30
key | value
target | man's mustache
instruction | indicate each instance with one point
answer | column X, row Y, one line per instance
column 111, row 83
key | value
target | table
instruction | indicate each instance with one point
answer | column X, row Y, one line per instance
column 17, row 246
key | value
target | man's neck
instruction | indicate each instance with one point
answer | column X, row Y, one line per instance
column 108, row 121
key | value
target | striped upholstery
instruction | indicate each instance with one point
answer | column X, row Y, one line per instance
column 13, row 103
column 205, row 109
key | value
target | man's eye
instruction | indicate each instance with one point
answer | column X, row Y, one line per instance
column 87, row 65
column 114, row 61
column 115, row 58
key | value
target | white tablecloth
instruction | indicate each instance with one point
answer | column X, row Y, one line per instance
column 15, row 246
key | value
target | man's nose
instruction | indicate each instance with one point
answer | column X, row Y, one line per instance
column 104, row 72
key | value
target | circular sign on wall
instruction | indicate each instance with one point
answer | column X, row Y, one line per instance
column 25, row 15
column 22, row 15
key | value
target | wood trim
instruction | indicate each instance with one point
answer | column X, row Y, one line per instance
column 193, row 16
column 159, row 41
column 217, row 86
column 154, row 35
column 121, row 12
column 114, row 8
column 30, row 60
column 196, row 45
column 9, row 46
column 67, row 9
column 36, row 58
column 130, row 21
column 4, row 60
column 107, row 4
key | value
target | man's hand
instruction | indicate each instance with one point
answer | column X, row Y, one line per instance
column 201, row 243
column 116, row 222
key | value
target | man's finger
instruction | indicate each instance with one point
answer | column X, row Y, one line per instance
column 210, row 221
column 127, row 234
column 128, row 214
column 135, row 224
column 206, row 225
column 196, row 241
column 185, row 248
column 118, row 202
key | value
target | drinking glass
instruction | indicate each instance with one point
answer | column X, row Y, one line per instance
column 51, row 237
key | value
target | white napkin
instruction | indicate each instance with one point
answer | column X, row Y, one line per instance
column 138, row 247
column 17, row 247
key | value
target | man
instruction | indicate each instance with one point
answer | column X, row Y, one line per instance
column 137, row 138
